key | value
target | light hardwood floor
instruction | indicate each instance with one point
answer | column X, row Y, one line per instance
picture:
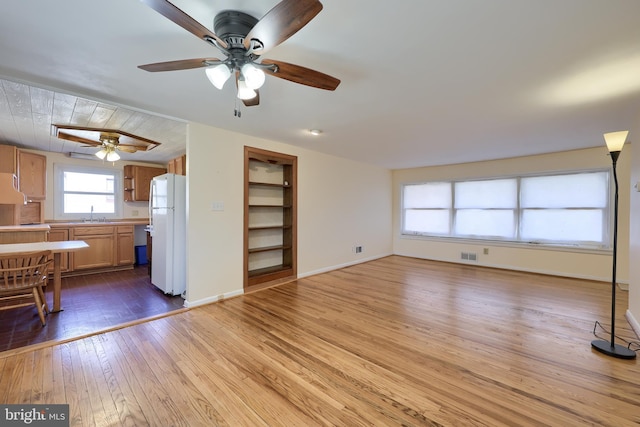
column 396, row 341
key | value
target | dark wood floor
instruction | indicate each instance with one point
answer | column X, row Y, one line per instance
column 90, row 303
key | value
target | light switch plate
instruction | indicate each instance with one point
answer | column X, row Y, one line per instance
column 217, row 206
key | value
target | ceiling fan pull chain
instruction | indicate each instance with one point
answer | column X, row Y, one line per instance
column 236, row 111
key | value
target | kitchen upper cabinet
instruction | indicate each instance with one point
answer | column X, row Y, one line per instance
column 137, row 180
column 32, row 175
column 30, row 171
column 9, row 159
column 178, row 165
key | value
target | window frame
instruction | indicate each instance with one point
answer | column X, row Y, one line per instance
column 58, row 185
column 607, row 211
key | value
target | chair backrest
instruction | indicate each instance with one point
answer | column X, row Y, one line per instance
column 23, row 270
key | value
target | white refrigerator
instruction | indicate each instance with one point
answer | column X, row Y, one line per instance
column 168, row 226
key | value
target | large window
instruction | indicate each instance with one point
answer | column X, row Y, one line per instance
column 569, row 209
column 84, row 193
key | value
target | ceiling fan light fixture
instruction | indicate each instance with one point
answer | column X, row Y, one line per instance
column 113, row 156
column 101, row 154
column 253, row 76
column 218, row 75
column 244, row 91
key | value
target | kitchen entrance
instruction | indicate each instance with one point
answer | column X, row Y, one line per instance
column 91, row 303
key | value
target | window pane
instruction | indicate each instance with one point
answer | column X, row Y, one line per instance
column 487, row 223
column 430, row 195
column 434, row 221
column 88, row 182
column 82, row 204
column 562, row 225
column 585, row 190
column 496, row 193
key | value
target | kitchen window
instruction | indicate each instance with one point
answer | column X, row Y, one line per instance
column 557, row 209
column 84, row 193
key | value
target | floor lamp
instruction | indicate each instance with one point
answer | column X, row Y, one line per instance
column 615, row 142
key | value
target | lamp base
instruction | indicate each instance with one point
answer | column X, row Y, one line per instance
column 614, row 350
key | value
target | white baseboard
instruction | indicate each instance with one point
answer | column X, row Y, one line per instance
column 209, row 300
column 215, row 298
column 621, row 284
column 633, row 322
column 339, row 266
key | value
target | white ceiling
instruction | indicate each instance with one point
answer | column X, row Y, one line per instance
column 424, row 82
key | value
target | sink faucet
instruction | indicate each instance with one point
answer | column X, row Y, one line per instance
column 91, row 216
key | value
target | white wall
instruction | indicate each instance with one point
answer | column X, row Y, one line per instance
column 340, row 203
column 584, row 264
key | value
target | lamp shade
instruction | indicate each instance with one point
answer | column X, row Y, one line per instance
column 218, row 75
column 101, row 154
column 615, row 140
column 253, row 76
column 244, row 91
column 113, row 156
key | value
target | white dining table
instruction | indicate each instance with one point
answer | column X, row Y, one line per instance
column 57, row 248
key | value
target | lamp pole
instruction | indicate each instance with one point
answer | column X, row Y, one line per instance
column 615, row 142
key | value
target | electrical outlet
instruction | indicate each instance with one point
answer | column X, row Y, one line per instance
column 358, row 249
column 135, row 212
column 485, row 251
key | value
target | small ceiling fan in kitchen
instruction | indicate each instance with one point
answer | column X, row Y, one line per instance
column 244, row 40
column 110, row 141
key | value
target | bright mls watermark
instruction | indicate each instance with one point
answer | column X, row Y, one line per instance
column 34, row 415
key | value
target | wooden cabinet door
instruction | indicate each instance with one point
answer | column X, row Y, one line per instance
column 178, row 165
column 137, row 180
column 32, row 212
column 143, row 177
column 32, row 172
column 125, row 249
column 99, row 253
column 8, row 159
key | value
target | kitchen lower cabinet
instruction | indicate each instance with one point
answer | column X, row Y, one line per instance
column 111, row 246
column 101, row 253
column 125, row 245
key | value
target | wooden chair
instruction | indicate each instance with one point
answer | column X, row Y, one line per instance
column 23, row 276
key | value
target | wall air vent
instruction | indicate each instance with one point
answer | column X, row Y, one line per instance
column 469, row 256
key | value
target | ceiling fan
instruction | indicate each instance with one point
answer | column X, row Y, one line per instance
column 243, row 39
column 109, row 140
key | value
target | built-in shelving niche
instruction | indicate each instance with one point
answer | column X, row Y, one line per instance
column 269, row 218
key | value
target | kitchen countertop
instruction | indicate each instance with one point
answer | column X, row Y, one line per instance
column 97, row 223
column 30, row 227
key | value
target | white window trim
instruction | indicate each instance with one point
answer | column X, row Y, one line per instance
column 578, row 247
column 58, row 186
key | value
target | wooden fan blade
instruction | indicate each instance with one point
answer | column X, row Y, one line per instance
column 79, row 133
column 175, row 14
column 183, row 64
column 74, row 138
column 281, row 22
column 127, row 148
column 302, row 75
